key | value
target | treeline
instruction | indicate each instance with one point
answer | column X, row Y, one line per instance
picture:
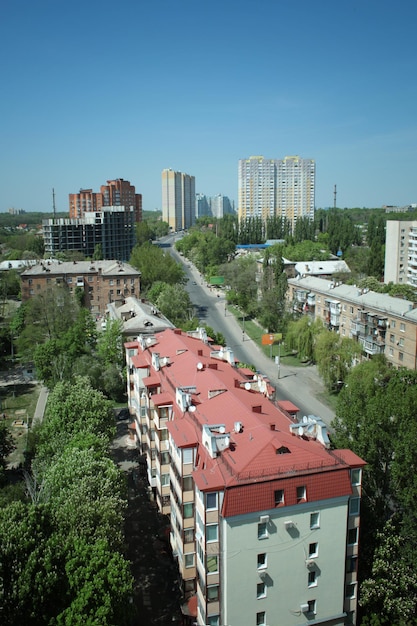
column 375, row 417
column 61, row 541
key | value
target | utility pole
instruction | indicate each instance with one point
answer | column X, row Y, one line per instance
column 334, row 195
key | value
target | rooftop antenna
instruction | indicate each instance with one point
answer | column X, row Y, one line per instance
column 53, row 203
column 334, row 194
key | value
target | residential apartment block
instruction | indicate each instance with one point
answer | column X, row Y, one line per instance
column 264, row 515
column 380, row 323
column 117, row 192
column 276, row 188
column 178, row 199
column 101, row 281
column 401, row 252
column 111, row 227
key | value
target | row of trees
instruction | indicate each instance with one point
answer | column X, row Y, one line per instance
column 375, row 418
column 61, row 543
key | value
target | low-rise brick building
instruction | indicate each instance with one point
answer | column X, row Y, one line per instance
column 101, row 281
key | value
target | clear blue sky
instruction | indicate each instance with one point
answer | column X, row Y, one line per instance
column 96, row 90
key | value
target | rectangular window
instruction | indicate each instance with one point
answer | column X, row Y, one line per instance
column 351, row 590
column 355, row 476
column 392, row 338
column 188, row 483
column 260, row 618
column 312, row 579
column 212, row 532
column 189, row 535
column 392, row 323
column 262, row 530
column 352, row 536
column 301, row 494
column 212, row 563
column 312, row 606
column 315, row 520
column 188, row 510
column 352, row 564
column 279, row 497
column 354, row 505
column 401, row 342
column 262, row 563
column 165, row 480
column 189, row 560
column 211, row 500
column 187, row 455
column 213, row 620
column 313, row 549
column 261, row 590
column 402, row 327
column 401, row 356
column 213, row 593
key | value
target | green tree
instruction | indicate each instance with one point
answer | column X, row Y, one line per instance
column 174, row 302
column 335, row 357
column 390, row 594
column 6, row 447
column 156, row 265
column 110, row 344
column 302, row 336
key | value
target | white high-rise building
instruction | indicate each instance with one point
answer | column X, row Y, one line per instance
column 401, row 252
column 178, row 199
column 276, row 187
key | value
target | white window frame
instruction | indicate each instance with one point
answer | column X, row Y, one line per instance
column 212, row 527
column 314, row 520
column 263, row 565
column 313, row 549
column 312, row 583
column 190, row 556
column 354, row 506
column 262, row 530
column 260, row 590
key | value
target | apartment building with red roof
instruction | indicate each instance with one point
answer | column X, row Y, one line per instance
column 264, row 514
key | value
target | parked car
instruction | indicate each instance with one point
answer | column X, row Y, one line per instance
column 123, row 414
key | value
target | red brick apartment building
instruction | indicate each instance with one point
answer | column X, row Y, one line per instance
column 102, row 281
column 117, row 192
column 264, row 516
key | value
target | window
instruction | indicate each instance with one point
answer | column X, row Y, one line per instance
column 392, row 338
column 401, row 356
column 213, row 620
column 212, row 532
column 211, row 500
column 189, row 560
column 355, row 476
column 313, row 549
column 187, row 483
column 351, row 590
column 213, row 593
column 392, row 323
column 352, row 536
column 311, row 606
column 354, row 505
column 188, row 510
column 260, row 618
column 262, row 530
column 188, row 535
column 262, row 563
column 165, row 458
column 261, row 590
column 301, row 494
column 401, row 342
column 279, row 497
column 402, row 327
column 212, row 563
column 165, row 480
column 315, row 520
column 352, row 564
column 312, row 579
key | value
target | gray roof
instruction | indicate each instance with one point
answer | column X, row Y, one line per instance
column 363, row 297
column 81, row 267
column 316, row 268
column 138, row 317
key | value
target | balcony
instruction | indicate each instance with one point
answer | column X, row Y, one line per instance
column 371, row 347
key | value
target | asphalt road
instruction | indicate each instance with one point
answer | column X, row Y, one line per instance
column 300, row 385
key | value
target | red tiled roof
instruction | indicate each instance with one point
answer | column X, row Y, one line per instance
column 160, row 399
column 288, row 406
column 152, row 381
column 140, row 360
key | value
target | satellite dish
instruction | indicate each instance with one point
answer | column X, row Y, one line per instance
column 191, row 408
column 305, row 419
column 199, row 366
column 247, row 386
column 311, row 429
column 222, row 430
column 300, row 430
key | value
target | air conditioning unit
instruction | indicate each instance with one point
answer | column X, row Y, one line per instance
column 263, row 574
column 310, row 563
column 304, row 608
column 289, row 524
column 264, row 519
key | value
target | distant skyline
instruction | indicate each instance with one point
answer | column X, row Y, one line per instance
column 93, row 91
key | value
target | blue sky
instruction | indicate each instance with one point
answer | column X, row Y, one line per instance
column 97, row 90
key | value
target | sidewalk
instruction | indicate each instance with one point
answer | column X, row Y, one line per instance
column 40, row 405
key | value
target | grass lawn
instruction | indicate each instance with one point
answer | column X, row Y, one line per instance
column 18, row 403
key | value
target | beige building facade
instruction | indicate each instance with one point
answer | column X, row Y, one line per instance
column 380, row 323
